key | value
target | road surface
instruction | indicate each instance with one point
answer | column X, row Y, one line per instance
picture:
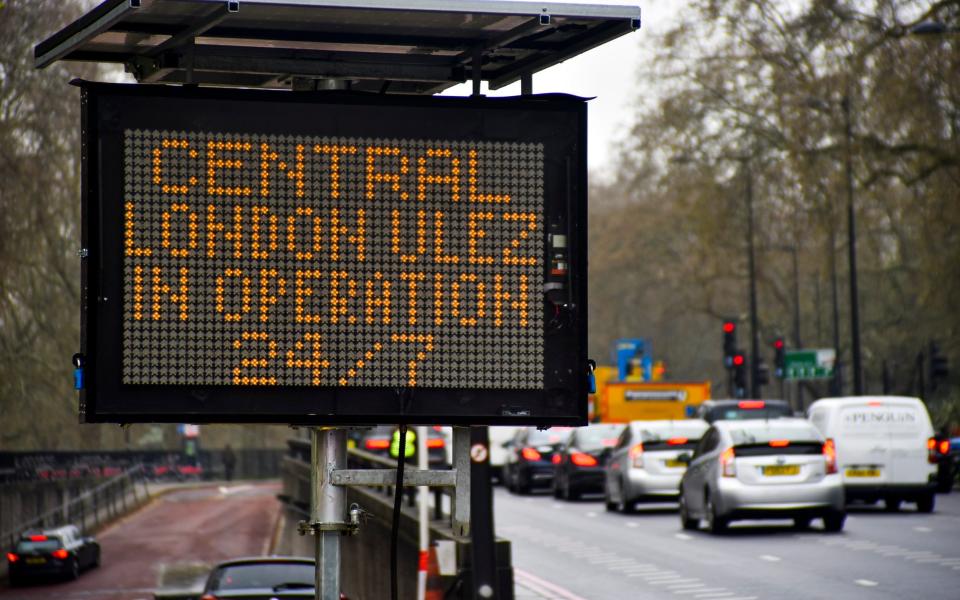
column 171, row 543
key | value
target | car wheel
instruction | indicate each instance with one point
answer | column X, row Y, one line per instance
column 570, row 494
column 74, row 572
column 833, row 522
column 926, row 503
column 15, row 581
column 892, row 504
column 688, row 523
column 556, row 490
column 802, row 523
column 96, row 559
column 715, row 523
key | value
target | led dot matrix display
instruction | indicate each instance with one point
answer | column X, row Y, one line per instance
column 291, row 260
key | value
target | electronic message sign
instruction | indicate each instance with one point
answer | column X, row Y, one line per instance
column 332, row 258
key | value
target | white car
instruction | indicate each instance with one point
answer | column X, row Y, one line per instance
column 645, row 465
column 885, row 447
column 762, row 469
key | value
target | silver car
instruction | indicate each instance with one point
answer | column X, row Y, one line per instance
column 760, row 469
column 645, row 464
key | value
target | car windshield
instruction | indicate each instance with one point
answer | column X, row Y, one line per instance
column 595, row 437
column 692, row 431
column 554, row 435
column 264, row 575
column 47, row 545
column 764, row 435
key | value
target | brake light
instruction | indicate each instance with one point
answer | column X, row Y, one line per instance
column 830, row 453
column 61, row 554
column 779, row 443
column 751, row 404
column 38, row 538
column 435, row 443
column 583, row 460
column 677, row 441
column 556, row 459
column 874, row 403
column 12, row 557
column 726, row 463
column 636, row 455
column 932, row 450
column 376, row 444
column 530, row 454
column 208, row 597
column 944, row 447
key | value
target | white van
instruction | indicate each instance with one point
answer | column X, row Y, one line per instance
column 883, row 446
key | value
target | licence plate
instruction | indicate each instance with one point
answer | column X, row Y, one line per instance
column 36, row 561
column 774, row 470
column 863, row 472
column 674, row 463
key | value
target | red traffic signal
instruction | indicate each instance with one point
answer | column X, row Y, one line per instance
column 729, row 326
column 738, row 360
column 778, row 344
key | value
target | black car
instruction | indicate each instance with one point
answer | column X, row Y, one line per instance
column 725, row 410
column 529, row 458
column 60, row 552
column 580, row 460
column 261, row 578
column 377, row 440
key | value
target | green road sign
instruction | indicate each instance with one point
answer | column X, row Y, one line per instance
column 810, row 363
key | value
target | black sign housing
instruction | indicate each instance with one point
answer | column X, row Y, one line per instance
column 332, row 257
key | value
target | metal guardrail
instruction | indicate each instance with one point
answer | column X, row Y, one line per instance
column 93, row 507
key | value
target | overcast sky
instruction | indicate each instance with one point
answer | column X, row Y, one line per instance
column 609, row 73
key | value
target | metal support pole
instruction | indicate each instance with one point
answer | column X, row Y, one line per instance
column 837, row 383
column 751, row 266
column 477, row 69
column 526, row 84
column 796, row 318
column 328, row 507
column 852, row 256
column 483, row 548
column 423, row 514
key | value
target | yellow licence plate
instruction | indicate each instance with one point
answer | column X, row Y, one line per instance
column 782, row 470
column 36, row 561
column 674, row 463
column 863, row 472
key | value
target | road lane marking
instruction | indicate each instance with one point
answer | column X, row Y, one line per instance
column 714, row 595
column 562, row 593
column 922, row 529
column 686, row 584
column 683, row 536
column 769, row 558
column 720, row 589
column 558, row 505
column 591, row 515
column 632, row 524
column 866, row 583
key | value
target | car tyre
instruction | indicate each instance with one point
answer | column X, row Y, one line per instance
column 686, row 521
column 96, row 559
column 833, row 522
column 926, row 503
column 802, row 523
column 570, row 494
column 892, row 504
column 715, row 523
column 74, row 572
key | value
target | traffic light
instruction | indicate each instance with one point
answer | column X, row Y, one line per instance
column 779, row 358
column 739, row 362
column 938, row 365
column 729, row 342
column 763, row 372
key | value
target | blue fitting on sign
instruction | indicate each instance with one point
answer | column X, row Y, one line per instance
column 78, row 379
column 591, row 383
column 691, row 411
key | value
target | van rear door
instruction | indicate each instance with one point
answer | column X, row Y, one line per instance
column 863, row 443
column 909, row 429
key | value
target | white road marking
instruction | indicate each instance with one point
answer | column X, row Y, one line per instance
column 699, row 591
column 632, row 524
column 713, row 595
column 686, row 584
column 558, row 505
column 866, row 583
column 769, row 558
column 922, row 529
column 591, row 515
column 683, row 536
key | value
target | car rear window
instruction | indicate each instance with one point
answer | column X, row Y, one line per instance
column 47, row 545
column 553, row 435
column 668, row 437
column 269, row 576
column 735, row 413
column 596, row 437
column 872, row 420
column 762, row 436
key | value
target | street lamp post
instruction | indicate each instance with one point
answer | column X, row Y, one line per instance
column 852, row 254
column 751, row 266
